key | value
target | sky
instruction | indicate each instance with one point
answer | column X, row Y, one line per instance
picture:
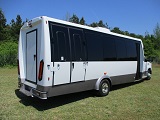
column 134, row 16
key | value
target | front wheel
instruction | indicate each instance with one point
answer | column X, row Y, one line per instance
column 104, row 88
column 149, row 74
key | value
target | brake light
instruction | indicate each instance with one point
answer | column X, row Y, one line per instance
column 40, row 70
column 18, row 67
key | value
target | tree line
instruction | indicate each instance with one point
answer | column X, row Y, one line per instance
column 9, row 35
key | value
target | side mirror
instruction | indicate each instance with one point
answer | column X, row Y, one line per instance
column 145, row 60
column 148, row 60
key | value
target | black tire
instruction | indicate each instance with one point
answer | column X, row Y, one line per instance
column 104, row 88
column 149, row 74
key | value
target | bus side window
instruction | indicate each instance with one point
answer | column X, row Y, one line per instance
column 109, row 49
column 94, row 46
column 61, row 40
column 59, row 44
column 121, row 49
column 77, row 45
column 131, row 50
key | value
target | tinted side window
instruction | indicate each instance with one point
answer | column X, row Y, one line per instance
column 94, row 46
column 77, row 44
column 59, row 43
column 131, row 50
column 109, row 52
column 121, row 49
column 61, row 40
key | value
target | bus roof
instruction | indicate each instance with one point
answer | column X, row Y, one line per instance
column 97, row 29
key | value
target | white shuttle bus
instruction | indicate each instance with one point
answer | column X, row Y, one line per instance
column 57, row 57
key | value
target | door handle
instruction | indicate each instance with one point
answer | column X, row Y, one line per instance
column 58, row 66
column 34, row 57
column 73, row 65
column 85, row 63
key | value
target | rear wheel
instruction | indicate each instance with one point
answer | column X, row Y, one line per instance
column 104, row 88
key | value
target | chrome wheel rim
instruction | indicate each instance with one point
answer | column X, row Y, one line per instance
column 105, row 88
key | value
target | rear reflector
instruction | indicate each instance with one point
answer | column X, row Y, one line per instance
column 40, row 70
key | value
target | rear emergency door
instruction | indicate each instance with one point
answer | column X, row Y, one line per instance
column 31, row 53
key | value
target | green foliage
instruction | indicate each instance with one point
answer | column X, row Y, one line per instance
column 99, row 24
column 15, row 27
column 74, row 19
column 9, row 35
column 157, row 58
column 2, row 25
column 116, row 30
column 2, row 19
column 8, row 53
column 82, row 21
column 157, row 37
column 149, row 51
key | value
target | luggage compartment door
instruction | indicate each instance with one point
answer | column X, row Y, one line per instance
column 31, row 56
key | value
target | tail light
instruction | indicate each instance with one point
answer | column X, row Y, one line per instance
column 40, row 70
column 18, row 67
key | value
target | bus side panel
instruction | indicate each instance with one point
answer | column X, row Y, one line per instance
column 116, row 69
column 44, row 55
column 21, row 56
column 140, row 59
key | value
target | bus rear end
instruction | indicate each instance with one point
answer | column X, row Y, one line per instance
column 31, row 58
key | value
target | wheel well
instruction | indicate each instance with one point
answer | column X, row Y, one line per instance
column 109, row 81
column 150, row 71
column 100, row 80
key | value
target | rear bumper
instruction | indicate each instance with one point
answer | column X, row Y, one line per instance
column 29, row 91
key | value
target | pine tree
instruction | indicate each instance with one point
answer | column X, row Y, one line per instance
column 74, row 19
column 82, row 21
column 15, row 27
column 2, row 25
column 157, row 37
column 101, row 24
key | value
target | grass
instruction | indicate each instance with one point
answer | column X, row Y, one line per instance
column 129, row 101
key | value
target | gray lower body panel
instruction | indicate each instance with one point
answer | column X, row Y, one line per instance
column 123, row 79
column 68, row 88
column 44, row 92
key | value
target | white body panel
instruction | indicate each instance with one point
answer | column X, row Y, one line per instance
column 78, row 71
column 147, row 65
column 61, row 73
column 28, row 69
column 95, row 69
